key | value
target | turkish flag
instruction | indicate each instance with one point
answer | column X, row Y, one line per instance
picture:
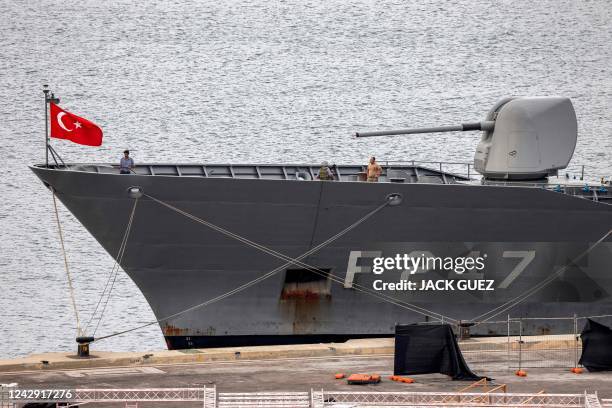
column 66, row 125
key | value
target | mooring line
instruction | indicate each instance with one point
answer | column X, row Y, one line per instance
column 513, row 302
column 269, row 251
column 68, row 276
column 117, row 264
column 252, row 282
column 114, row 270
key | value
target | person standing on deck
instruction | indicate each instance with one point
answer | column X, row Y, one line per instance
column 374, row 170
column 325, row 172
column 126, row 164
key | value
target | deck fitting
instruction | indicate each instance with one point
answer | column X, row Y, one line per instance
column 135, row 192
column 394, row 199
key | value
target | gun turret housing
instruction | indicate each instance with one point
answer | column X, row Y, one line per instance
column 523, row 138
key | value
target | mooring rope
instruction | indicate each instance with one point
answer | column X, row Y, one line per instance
column 269, row 251
column 68, row 276
column 252, row 282
column 522, row 297
column 594, row 317
column 114, row 270
column 116, row 264
column 240, row 288
column 289, row 261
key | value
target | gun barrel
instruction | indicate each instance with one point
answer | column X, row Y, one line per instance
column 486, row 125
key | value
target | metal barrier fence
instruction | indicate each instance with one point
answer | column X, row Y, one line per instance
column 322, row 399
column 11, row 396
column 265, row 399
column 5, row 400
column 558, row 344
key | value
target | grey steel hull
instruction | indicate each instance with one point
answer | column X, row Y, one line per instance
column 178, row 263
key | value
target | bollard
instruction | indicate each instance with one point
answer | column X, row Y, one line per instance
column 520, row 360
column 464, row 330
column 83, row 346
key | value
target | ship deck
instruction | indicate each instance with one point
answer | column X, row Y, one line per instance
column 391, row 173
column 304, row 172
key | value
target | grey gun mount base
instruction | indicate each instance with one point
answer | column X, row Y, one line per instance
column 527, row 138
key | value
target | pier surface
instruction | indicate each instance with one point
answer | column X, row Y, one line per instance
column 494, row 346
column 284, row 368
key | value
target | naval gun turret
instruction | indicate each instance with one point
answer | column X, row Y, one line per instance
column 526, row 138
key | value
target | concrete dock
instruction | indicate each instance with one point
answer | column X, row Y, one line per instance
column 356, row 347
column 283, row 368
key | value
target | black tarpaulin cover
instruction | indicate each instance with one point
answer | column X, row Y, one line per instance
column 426, row 349
column 596, row 346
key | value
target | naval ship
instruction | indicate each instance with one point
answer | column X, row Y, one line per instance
column 522, row 227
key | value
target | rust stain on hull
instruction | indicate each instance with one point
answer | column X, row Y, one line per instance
column 170, row 330
column 303, row 294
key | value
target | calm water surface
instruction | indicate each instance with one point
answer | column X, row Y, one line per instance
column 258, row 81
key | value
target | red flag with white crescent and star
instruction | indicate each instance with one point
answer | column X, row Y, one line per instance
column 66, row 125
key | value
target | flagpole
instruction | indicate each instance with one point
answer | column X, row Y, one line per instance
column 46, row 92
column 48, row 99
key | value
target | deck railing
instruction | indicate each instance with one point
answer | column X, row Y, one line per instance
column 572, row 175
column 466, row 169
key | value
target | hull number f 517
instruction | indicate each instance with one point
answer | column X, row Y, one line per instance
column 357, row 264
